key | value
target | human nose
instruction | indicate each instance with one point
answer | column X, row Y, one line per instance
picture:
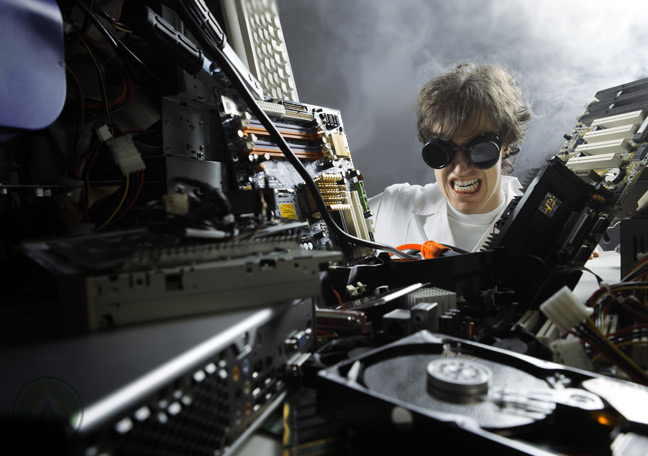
column 460, row 161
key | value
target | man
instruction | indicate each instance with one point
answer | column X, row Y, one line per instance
column 471, row 121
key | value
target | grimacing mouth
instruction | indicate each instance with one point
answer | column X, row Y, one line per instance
column 465, row 185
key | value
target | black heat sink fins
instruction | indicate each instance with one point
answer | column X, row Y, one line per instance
column 616, row 100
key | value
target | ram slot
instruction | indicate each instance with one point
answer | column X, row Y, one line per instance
column 286, row 130
column 301, row 151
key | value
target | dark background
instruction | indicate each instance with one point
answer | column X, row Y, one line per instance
column 369, row 58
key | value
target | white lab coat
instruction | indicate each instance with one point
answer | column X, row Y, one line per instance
column 413, row 214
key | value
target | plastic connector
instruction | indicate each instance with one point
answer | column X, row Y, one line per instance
column 570, row 352
column 176, row 203
column 125, row 154
column 103, row 133
column 564, row 310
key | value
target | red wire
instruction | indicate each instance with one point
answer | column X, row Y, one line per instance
column 339, row 298
column 628, row 329
column 128, row 86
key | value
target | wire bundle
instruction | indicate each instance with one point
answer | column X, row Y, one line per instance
column 116, row 71
column 629, row 300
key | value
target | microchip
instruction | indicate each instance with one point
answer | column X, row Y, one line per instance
column 549, row 205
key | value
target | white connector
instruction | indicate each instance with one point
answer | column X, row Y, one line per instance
column 564, row 310
column 570, row 352
column 103, row 133
column 125, row 154
column 272, row 109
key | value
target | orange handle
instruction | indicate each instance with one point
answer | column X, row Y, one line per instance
column 429, row 249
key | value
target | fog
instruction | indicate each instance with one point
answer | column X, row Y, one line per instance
column 369, row 58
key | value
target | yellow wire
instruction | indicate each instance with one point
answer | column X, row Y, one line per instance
column 616, row 349
column 596, row 357
column 121, row 28
column 121, row 203
column 101, row 80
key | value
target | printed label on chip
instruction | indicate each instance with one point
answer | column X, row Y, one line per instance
column 549, row 205
column 288, row 211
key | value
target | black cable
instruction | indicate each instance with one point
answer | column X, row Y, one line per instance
column 116, row 66
column 115, row 42
column 194, row 21
column 598, row 278
column 598, row 310
column 560, row 270
column 638, row 273
column 109, row 18
column 540, row 288
column 638, row 333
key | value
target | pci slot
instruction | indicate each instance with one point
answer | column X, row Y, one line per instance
column 617, row 146
column 633, row 117
column 355, row 217
column 602, row 161
column 609, row 134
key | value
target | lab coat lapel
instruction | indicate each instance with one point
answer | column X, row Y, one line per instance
column 437, row 228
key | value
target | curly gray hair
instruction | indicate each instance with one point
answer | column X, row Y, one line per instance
column 447, row 103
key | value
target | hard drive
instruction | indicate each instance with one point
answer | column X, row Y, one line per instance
column 435, row 394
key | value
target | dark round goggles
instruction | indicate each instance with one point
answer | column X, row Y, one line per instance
column 483, row 151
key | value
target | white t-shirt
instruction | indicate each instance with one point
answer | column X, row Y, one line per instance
column 413, row 214
column 468, row 229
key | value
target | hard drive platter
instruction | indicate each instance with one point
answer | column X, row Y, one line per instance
column 459, row 385
column 458, row 395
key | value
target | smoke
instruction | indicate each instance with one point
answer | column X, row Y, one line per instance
column 369, row 58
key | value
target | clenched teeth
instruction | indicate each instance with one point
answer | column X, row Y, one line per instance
column 465, row 186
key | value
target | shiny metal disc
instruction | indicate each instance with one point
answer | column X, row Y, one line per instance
column 458, row 376
column 461, row 388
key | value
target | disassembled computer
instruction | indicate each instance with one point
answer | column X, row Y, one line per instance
column 215, row 249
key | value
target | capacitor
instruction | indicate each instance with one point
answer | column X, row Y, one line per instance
column 614, row 175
